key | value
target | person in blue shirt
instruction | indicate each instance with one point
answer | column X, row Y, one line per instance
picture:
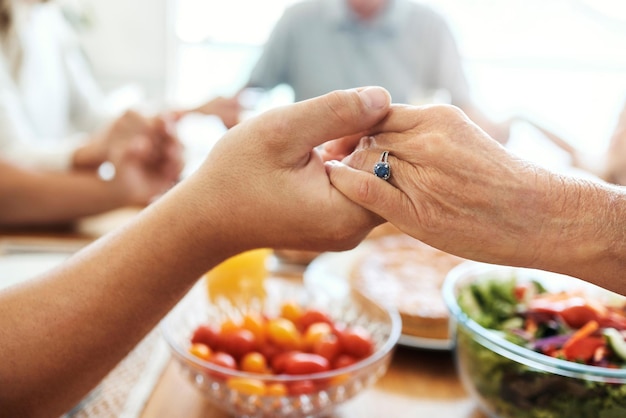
column 322, row 45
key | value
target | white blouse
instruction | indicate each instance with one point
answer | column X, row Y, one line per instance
column 54, row 101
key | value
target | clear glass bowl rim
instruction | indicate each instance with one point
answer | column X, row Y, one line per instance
column 364, row 364
column 506, row 348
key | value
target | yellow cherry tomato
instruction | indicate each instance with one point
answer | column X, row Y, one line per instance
column 256, row 324
column 202, row 351
column 276, row 389
column 254, row 362
column 315, row 332
column 246, row 385
column 283, row 332
column 229, row 325
column 291, row 311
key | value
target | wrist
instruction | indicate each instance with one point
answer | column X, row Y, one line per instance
column 199, row 229
column 88, row 156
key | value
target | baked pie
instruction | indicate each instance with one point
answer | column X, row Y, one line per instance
column 404, row 272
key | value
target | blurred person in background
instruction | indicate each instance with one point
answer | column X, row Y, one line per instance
column 610, row 165
column 322, row 45
column 30, row 197
column 52, row 112
column 53, row 120
column 615, row 163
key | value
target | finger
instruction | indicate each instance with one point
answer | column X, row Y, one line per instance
column 340, row 148
column 367, row 190
column 405, row 117
column 334, row 115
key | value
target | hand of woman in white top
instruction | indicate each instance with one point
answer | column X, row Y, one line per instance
column 455, row 188
column 144, row 168
column 148, row 138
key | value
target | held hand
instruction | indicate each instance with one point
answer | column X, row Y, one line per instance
column 228, row 109
column 147, row 157
column 138, row 182
column 451, row 185
column 273, row 179
column 147, row 137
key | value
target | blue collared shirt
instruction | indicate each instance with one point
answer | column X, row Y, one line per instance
column 320, row 45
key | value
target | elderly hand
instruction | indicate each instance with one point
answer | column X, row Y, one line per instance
column 267, row 183
column 452, row 186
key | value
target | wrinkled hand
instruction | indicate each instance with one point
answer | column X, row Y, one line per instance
column 451, row 185
column 278, row 192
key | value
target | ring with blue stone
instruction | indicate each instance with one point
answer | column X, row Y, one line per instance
column 382, row 169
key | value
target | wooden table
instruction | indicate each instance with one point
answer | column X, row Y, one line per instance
column 419, row 383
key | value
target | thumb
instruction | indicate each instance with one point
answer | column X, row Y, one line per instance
column 366, row 190
column 333, row 115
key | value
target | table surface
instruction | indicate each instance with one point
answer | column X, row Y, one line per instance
column 418, row 383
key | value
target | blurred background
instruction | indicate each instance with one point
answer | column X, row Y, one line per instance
column 560, row 62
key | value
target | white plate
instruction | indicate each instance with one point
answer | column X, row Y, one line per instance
column 17, row 268
column 330, row 272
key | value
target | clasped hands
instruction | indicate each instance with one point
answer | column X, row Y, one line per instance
column 300, row 176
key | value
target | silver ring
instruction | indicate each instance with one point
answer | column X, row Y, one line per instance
column 382, row 169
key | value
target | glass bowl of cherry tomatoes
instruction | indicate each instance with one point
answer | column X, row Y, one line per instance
column 294, row 352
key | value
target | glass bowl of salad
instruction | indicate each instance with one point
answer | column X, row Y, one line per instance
column 534, row 344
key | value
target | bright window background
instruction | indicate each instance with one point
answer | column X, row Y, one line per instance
column 559, row 62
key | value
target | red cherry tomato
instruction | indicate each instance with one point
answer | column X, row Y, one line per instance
column 328, row 347
column 343, row 360
column 223, row 359
column 311, row 316
column 357, row 342
column 279, row 361
column 207, row 335
column 269, row 351
column 305, row 363
column 301, row 387
column 238, row 343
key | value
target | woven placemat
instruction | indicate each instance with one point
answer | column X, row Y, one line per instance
column 125, row 390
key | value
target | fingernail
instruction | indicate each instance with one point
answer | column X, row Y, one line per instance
column 374, row 97
column 328, row 165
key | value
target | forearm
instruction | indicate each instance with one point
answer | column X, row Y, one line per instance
column 584, row 232
column 30, row 197
column 50, row 358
